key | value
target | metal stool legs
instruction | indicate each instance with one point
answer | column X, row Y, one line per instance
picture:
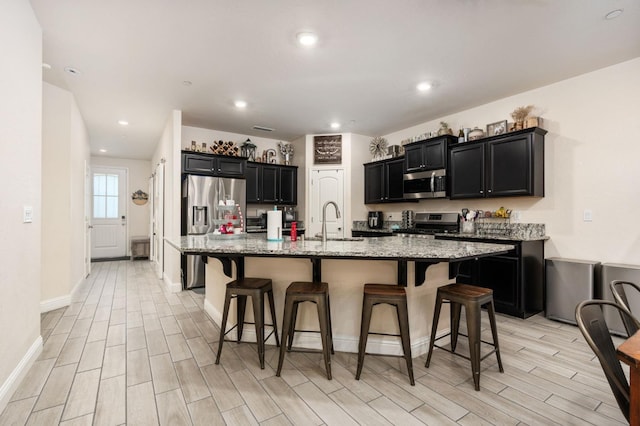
column 375, row 294
column 240, row 289
column 299, row 292
column 473, row 298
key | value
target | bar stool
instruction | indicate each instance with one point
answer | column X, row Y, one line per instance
column 375, row 294
column 256, row 288
column 473, row 298
column 315, row 292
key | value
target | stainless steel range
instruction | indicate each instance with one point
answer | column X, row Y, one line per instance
column 428, row 224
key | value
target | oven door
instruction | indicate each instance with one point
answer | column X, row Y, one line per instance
column 429, row 184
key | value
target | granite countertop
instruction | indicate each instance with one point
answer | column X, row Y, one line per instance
column 483, row 230
column 367, row 248
column 503, row 232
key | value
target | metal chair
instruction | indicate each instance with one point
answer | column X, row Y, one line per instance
column 594, row 328
column 620, row 296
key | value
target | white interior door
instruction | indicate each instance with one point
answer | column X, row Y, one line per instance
column 158, row 219
column 327, row 185
column 152, row 218
column 87, row 219
column 109, row 216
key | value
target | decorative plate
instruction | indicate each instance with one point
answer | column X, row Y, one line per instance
column 378, row 146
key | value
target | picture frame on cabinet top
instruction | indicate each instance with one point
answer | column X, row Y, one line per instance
column 497, row 128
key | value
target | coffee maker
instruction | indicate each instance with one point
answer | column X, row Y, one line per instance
column 375, row 220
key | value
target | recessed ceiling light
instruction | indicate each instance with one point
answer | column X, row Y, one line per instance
column 71, row 70
column 335, row 125
column 187, row 83
column 424, row 86
column 123, row 122
column 307, row 39
column 613, row 14
column 240, row 104
column 103, row 150
column 46, row 66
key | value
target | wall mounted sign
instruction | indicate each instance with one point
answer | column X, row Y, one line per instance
column 327, row 149
column 140, row 197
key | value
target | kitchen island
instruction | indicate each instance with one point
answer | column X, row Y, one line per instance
column 346, row 266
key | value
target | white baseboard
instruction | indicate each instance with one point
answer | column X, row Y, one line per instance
column 60, row 302
column 376, row 345
column 171, row 286
column 55, row 303
column 15, row 378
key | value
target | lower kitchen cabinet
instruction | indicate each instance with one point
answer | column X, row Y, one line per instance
column 516, row 277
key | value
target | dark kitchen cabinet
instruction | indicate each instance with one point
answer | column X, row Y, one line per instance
column 516, row 277
column 272, row 184
column 383, row 181
column 252, row 175
column 430, row 154
column 213, row 165
column 500, row 166
column 466, row 171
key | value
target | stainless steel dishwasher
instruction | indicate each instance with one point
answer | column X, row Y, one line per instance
column 569, row 282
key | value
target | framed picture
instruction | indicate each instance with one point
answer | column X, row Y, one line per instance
column 327, row 149
column 497, row 128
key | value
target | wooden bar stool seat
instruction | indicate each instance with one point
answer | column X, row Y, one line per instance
column 375, row 294
column 473, row 298
column 255, row 288
column 314, row 292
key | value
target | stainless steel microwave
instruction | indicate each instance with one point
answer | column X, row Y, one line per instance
column 429, row 184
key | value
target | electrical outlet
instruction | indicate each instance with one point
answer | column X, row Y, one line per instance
column 587, row 215
column 515, row 216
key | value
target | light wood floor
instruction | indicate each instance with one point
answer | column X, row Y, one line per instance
column 126, row 352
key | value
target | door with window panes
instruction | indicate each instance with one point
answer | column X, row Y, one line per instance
column 108, row 213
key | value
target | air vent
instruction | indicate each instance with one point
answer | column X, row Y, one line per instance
column 264, row 129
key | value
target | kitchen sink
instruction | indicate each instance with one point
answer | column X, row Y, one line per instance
column 335, row 239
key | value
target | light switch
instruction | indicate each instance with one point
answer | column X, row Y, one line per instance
column 588, row 215
column 27, row 214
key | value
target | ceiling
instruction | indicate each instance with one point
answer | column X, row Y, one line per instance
column 133, row 57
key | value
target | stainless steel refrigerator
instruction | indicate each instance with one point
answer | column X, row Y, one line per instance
column 206, row 203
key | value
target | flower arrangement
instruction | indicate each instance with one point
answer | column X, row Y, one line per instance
column 521, row 113
column 286, row 150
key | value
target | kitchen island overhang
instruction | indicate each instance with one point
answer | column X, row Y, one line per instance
column 423, row 252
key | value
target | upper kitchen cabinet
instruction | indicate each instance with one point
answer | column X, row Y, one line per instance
column 212, row 165
column 430, row 154
column 383, row 181
column 272, row 184
column 500, row 166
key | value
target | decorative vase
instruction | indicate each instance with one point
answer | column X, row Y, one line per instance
column 287, row 159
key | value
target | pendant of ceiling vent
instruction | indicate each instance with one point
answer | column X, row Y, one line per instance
column 264, row 129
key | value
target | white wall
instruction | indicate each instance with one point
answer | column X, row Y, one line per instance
column 591, row 162
column 65, row 150
column 168, row 152
column 56, row 196
column 20, row 151
column 138, row 172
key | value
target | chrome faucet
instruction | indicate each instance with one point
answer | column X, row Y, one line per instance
column 324, row 218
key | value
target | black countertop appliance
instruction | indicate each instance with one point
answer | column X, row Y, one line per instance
column 375, row 220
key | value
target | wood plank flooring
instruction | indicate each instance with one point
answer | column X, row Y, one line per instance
column 127, row 352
